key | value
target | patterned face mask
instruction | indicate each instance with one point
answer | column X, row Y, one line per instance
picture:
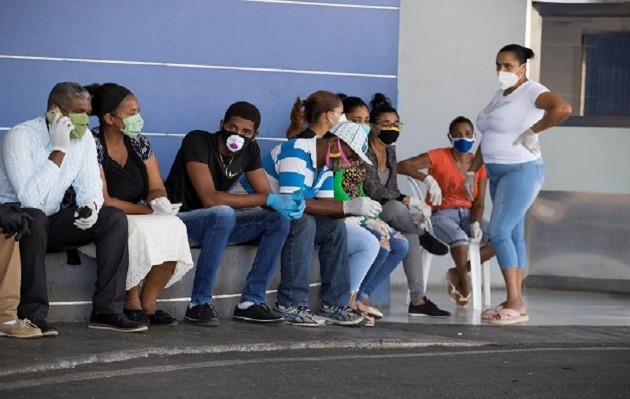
column 353, row 177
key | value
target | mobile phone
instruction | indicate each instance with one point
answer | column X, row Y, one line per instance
column 51, row 115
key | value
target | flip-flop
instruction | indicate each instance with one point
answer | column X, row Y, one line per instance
column 370, row 310
column 491, row 312
column 453, row 294
column 463, row 301
column 508, row 316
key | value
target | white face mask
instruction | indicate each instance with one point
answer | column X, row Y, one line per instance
column 234, row 142
column 507, row 79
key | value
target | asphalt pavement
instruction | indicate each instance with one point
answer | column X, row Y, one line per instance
column 576, row 345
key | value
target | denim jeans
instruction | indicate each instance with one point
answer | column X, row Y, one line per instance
column 513, row 189
column 216, row 227
column 385, row 262
column 297, row 255
column 452, row 226
column 363, row 248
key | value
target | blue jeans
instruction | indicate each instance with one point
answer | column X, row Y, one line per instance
column 385, row 262
column 513, row 189
column 216, row 227
column 297, row 255
column 363, row 248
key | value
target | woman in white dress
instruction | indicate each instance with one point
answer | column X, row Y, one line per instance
column 159, row 254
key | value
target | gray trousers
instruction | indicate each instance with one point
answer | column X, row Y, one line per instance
column 397, row 215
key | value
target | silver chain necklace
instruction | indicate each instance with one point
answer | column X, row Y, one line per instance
column 227, row 167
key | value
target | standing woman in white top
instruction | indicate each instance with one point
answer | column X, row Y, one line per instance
column 510, row 124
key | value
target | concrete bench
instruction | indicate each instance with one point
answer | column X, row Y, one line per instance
column 70, row 287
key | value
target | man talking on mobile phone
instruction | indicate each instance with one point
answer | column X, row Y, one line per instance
column 40, row 160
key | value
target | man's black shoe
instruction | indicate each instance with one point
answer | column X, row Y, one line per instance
column 432, row 244
column 258, row 313
column 202, row 315
column 115, row 322
column 45, row 327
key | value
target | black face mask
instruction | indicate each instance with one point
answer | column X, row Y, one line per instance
column 388, row 137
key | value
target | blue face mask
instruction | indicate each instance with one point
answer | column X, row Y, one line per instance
column 463, row 145
column 366, row 127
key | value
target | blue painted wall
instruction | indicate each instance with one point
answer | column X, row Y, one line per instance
column 187, row 61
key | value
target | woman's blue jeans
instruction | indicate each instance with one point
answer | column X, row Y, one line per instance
column 513, row 188
column 385, row 262
column 216, row 227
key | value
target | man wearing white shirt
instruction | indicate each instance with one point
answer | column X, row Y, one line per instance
column 39, row 160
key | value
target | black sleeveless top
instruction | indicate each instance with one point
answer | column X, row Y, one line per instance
column 129, row 182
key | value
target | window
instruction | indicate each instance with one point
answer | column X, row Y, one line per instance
column 585, row 58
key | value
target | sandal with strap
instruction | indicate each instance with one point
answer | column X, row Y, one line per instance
column 508, row 316
column 369, row 310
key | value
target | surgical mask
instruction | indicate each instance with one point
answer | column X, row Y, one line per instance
column 463, row 145
column 80, row 121
column 366, row 128
column 507, row 79
column 389, row 136
column 133, row 125
column 234, row 142
column 342, row 119
column 337, row 161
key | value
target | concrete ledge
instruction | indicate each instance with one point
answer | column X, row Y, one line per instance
column 70, row 287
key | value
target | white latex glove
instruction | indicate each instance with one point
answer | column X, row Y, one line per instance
column 88, row 221
column 418, row 219
column 421, row 206
column 469, row 185
column 353, row 220
column 529, row 140
column 379, row 226
column 435, row 192
column 161, row 206
column 475, row 232
column 59, row 132
column 362, row 206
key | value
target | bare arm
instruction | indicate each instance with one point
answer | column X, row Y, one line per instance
column 477, row 161
column 478, row 205
column 258, row 180
column 411, row 166
column 557, row 110
column 324, row 207
column 203, row 183
column 156, row 184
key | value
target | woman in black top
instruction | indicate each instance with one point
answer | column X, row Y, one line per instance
column 158, row 245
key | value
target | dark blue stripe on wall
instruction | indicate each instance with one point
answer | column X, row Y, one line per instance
column 232, row 33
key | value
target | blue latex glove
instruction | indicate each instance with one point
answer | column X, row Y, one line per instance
column 290, row 206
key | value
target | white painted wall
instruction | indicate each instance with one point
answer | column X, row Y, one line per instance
column 446, row 68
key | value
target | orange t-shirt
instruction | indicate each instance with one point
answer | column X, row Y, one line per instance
column 450, row 179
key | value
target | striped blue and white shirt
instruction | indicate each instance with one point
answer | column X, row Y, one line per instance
column 28, row 176
column 291, row 166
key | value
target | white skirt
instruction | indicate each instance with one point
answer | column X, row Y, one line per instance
column 153, row 240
